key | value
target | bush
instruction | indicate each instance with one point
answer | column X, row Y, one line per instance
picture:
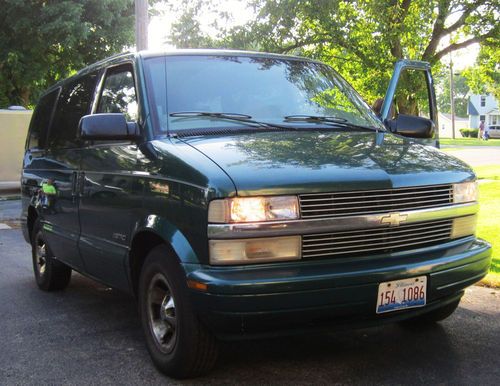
column 469, row 133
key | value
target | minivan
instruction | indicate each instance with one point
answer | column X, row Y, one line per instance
column 238, row 195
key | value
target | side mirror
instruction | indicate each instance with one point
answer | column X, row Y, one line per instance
column 411, row 126
column 107, row 127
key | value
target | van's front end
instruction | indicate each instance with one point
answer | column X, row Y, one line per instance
column 319, row 244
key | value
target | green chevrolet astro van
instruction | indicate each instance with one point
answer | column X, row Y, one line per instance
column 240, row 194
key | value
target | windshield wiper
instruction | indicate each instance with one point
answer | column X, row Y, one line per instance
column 329, row 120
column 210, row 114
column 313, row 118
column 244, row 118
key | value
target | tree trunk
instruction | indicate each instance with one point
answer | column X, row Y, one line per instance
column 407, row 105
column 24, row 95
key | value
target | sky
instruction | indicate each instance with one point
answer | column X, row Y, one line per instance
column 159, row 29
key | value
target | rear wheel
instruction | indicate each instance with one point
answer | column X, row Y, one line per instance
column 432, row 317
column 179, row 345
column 50, row 274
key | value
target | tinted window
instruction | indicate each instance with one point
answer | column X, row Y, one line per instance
column 41, row 120
column 118, row 93
column 74, row 103
column 412, row 95
column 267, row 89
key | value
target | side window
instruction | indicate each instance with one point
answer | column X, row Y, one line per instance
column 74, row 102
column 40, row 121
column 118, row 93
column 412, row 95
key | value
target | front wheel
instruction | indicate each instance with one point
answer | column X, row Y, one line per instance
column 179, row 345
column 50, row 274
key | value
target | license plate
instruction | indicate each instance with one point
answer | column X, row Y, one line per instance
column 399, row 294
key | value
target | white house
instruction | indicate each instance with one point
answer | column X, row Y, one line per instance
column 483, row 108
column 445, row 126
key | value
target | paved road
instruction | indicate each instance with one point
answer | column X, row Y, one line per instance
column 476, row 155
column 90, row 334
column 10, row 210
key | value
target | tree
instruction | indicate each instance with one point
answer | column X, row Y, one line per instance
column 44, row 41
column 485, row 76
column 187, row 32
column 362, row 39
column 461, row 92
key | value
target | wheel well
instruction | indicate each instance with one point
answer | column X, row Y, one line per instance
column 141, row 245
column 32, row 216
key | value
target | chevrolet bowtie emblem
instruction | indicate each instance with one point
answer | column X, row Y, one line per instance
column 393, row 219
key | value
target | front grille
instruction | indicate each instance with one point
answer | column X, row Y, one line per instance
column 319, row 205
column 378, row 240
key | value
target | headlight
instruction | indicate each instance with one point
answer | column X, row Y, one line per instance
column 465, row 192
column 249, row 251
column 250, row 209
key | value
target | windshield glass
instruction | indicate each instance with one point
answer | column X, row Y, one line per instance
column 267, row 89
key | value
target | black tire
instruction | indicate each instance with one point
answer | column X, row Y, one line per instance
column 432, row 317
column 50, row 274
column 179, row 345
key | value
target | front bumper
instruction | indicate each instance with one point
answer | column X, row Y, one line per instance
column 273, row 299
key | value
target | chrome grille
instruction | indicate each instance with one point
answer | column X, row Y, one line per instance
column 377, row 240
column 318, row 205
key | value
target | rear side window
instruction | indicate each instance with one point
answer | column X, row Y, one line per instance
column 41, row 120
column 118, row 93
column 74, row 102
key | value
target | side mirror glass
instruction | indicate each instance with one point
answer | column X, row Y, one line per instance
column 107, row 127
column 412, row 126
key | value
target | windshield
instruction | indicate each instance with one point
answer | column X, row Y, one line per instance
column 265, row 89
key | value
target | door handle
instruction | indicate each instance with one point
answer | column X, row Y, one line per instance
column 82, row 184
column 74, row 183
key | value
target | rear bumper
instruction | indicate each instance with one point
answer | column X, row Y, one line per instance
column 285, row 298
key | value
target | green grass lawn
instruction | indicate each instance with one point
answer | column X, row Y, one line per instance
column 469, row 142
column 489, row 216
column 489, row 172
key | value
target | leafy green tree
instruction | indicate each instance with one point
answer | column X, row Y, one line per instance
column 362, row 39
column 44, row 41
column 461, row 92
column 187, row 31
column 485, row 76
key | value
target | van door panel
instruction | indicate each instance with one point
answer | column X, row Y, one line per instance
column 60, row 213
column 111, row 199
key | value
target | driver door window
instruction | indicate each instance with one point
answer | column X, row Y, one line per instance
column 412, row 95
column 118, row 93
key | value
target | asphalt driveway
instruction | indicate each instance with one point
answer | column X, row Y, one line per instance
column 90, row 334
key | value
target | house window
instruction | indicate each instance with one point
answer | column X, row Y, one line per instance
column 482, row 118
column 494, row 119
column 483, row 101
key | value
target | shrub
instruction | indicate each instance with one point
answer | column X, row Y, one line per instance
column 469, row 133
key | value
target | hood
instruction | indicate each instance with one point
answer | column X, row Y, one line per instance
column 313, row 161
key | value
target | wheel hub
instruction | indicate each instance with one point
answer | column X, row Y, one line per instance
column 161, row 313
column 167, row 308
column 41, row 257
